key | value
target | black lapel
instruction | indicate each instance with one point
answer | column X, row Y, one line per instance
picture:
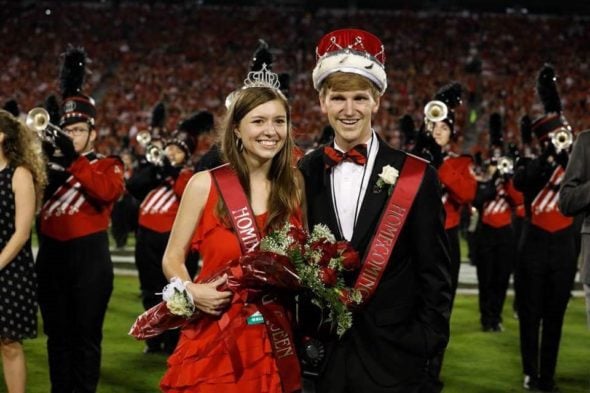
column 373, row 202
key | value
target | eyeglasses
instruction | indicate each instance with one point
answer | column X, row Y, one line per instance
column 76, row 130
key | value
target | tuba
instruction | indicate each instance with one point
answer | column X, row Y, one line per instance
column 435, row 111
column 38, row 121
column 562, row 139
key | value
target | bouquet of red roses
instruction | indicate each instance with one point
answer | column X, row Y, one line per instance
column 320, row 261
column 287, row 259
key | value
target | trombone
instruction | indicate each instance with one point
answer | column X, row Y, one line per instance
column 154, row 154
column 435, row 111
column 38, row 121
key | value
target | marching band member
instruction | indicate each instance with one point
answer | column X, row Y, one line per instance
column 546, row 270
column 74, row 264
column 495, row 250
column 456, row 176
column 159, row 185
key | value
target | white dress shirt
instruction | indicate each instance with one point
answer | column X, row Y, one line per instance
column 349, row 185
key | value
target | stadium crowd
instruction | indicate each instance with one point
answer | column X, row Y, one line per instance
column 192, row 57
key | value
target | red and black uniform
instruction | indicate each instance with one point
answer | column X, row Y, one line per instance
column 495, row 246
column 124, row 215
column 74, row 266
column 159, row 188
column 459, row 187
column 546, row 269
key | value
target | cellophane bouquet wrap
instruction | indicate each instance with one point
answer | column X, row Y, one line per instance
column 249, row 276
column 287, row 259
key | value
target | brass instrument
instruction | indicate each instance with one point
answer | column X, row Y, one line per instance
column 505, row 165
column 435, row 111
column 38, row 121
column 562, row 139
column 154, row 154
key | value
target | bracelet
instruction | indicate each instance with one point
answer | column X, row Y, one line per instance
column 185, row 283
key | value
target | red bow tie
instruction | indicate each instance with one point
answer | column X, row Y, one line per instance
column 333, row 157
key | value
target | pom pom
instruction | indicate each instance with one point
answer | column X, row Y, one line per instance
column 526, row 132
column 496, row 129
column 72, row 71
column 547, row 89
column 11, row 106
column 52, row 107
column 158, row 115
column 450, row 94
column 261, row 56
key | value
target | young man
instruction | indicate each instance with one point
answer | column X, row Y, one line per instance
column 404, row 320
column 74, row 265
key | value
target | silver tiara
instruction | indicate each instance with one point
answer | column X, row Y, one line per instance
column 262, row 78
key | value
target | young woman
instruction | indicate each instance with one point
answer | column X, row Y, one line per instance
column 256, row 142
column 22, row 179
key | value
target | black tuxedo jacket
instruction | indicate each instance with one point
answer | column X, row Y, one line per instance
column 407, row 320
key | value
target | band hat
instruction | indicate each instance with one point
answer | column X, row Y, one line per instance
column 350, row 50
column 548, row 123
column 548, row 94
column 77, row 109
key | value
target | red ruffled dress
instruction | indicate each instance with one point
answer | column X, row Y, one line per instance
column 201, row 362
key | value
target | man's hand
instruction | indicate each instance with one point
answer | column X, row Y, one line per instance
column 66, row 146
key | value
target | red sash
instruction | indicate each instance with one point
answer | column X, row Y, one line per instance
column 390, row 225
column 275, row 317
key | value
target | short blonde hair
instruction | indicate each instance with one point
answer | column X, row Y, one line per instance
column 346, row 81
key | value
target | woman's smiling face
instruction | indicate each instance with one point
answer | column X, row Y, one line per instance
column 264, row 130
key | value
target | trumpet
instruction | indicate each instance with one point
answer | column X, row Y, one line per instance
column 505, row 165
column 38, row 121
column 562, row 139
column 143, row 138
column 435, row 111
column 154, row 154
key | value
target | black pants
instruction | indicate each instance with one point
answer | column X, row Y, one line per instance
column 124, row 219
column 544, row 278
column 75, row 284
column 149, row 250
column 496, row 249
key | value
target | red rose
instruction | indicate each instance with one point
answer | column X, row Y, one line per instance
column 350, row 260
column 328, row 276
column 326, row 250
column 298, row 234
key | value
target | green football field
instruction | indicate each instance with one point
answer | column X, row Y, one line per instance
column 475, row 361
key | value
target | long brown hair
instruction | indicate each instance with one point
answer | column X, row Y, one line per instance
column 22, row 148
column 285, row 196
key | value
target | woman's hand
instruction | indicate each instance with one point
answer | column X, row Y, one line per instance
column 208, row 299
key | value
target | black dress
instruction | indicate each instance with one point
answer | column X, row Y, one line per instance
column 18, row 284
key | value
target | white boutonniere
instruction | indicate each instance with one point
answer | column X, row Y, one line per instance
column 388, row 176
column 178, row 299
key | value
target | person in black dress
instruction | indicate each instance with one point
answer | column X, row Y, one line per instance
column 22, row 179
